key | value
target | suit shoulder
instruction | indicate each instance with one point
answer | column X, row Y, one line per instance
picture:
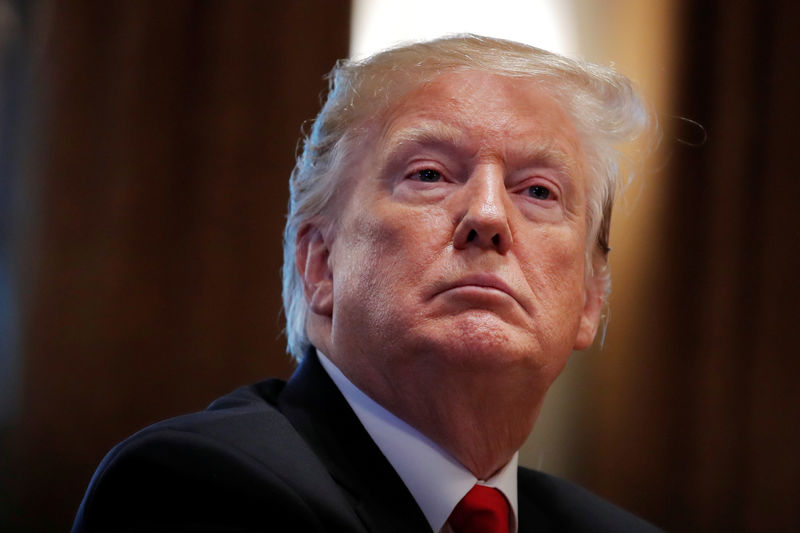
column 227, row 468
column 570, row 507
column 229, row 418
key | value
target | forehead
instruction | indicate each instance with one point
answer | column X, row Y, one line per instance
column 490, row 114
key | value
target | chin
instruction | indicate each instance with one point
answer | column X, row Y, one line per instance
column 480, row 337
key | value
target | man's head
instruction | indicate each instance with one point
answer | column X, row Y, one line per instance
column 447, row 235
column 603, row 107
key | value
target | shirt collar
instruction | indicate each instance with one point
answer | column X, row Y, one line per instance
column 436, row 480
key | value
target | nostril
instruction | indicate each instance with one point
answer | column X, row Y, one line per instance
column 496, row 239
column 471, row 235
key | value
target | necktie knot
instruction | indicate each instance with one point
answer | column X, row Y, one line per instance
column 483, row 510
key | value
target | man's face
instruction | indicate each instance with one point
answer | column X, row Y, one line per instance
column 459, row 243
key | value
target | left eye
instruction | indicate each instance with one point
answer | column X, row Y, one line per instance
column 540, row 192
column 428, row 175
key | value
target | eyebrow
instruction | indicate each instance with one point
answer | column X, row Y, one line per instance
column 427, row 133
column 437, row 134
column 547, row 154
column 532, row 153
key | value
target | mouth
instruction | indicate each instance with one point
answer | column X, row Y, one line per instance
column 480, row 282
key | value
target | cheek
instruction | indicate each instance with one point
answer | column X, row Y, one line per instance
column 397, row 237
column 374, row 258
column 555, row 268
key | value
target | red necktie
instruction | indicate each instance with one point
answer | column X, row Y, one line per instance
column 483, row 510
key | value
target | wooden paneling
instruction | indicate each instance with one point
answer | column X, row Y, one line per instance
column 164, row 137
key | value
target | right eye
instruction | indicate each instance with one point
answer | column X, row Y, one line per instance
column 539, row 192
column 427, row 175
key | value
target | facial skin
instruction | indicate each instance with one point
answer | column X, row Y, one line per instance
column 451, row 286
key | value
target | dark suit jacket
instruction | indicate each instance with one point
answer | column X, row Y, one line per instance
column 290, row 456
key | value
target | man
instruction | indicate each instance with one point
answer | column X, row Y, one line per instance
column 445, row 251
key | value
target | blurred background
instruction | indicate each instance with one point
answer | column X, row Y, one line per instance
column 145, row 149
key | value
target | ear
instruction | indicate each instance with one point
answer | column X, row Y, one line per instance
column 311, row 257
column 592, row 307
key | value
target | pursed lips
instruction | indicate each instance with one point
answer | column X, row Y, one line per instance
column 485, row 281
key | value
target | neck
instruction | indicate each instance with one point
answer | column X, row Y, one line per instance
column 480, row 413
column 481, row 422
column 482, row 432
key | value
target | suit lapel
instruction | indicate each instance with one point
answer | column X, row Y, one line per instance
column 319, row 412
column 531, row 516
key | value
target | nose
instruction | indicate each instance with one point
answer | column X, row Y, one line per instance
column 484, row 221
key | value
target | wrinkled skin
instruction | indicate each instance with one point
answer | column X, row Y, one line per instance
column 452, row 286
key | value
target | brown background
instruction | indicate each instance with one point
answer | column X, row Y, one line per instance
column 150, row 193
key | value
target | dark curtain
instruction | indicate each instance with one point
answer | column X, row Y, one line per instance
column 711, row 432
column 156, row 189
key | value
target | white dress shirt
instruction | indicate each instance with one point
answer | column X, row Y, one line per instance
column 436, row 480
